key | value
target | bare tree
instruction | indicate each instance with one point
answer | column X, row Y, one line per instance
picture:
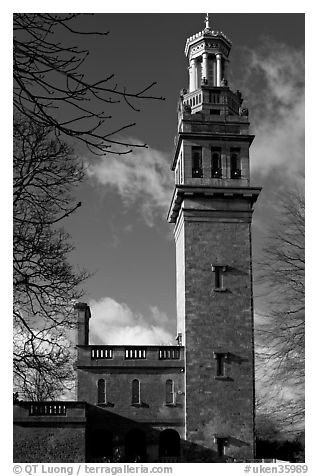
column 53, row 101
column 51, row 89
column 280, row 336
column 45, row 284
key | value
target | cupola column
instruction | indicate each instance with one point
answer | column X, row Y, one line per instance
column 205, row 66
column 192, row 73
column 214, row 71
column 218, row 69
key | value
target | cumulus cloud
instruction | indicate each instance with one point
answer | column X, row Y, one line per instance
column 114, row 323
column 274, row 88
column 142, row 177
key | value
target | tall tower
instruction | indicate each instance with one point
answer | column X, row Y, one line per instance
column 212, row 208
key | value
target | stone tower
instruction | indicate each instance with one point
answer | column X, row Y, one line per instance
column 212, row 208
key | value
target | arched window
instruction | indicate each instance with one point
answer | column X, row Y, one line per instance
column 101, row 391
column 216, row 166
column 135, row 392
column 235, row 163
column 197, row 161
column 169, row 392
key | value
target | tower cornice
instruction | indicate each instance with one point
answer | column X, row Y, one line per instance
column 206, row 35
column 183, row 191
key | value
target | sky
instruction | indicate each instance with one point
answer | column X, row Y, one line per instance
column 120, row 233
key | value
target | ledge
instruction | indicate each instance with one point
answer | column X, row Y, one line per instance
column 104, row 405
column 181, row 191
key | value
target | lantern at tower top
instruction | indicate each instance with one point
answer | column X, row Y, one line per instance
column 207, row 52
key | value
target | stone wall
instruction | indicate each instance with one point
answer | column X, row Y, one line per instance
column 53, row 432
column 48, row 444
column 218, row 232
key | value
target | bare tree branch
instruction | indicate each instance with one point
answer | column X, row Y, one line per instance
column 47, row 79
column 45, row 284
column 280, row 336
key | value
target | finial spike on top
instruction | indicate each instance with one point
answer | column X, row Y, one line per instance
column 207, row 21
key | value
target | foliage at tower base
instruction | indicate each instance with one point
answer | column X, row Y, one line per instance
column 280, row 331
column 45, row 284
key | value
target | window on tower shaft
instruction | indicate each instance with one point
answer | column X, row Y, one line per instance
column 216, row 166
column 220, row 358
column 235, row 163
column 219, row 271
column 197, row 161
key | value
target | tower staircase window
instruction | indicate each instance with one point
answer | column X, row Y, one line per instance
column 219, row 271
column 197, row 161
column 220, row 358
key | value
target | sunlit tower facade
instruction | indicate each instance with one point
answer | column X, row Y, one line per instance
column 212, row 208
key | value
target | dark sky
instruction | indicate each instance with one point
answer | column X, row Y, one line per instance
column 120, row 232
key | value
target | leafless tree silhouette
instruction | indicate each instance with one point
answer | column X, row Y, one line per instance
column 280, row 336
column 54, row 102
column 51, row 89
column 45, row 284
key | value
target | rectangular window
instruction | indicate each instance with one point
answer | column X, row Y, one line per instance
column 197, row 162
column 219, row 365
column 219, row 271
column 220, row 359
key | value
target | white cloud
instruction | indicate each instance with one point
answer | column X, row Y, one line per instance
column 142, row 176
column 114, row 323
column 274, row 88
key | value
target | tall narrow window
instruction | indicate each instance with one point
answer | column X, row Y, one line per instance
column 197, row 161
column 220, row 358
column 216, row 167
column 218, row 271
column 135, row 392
column 169, row 392
column 101, row 391
column 235, row 163
column 220, row 365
